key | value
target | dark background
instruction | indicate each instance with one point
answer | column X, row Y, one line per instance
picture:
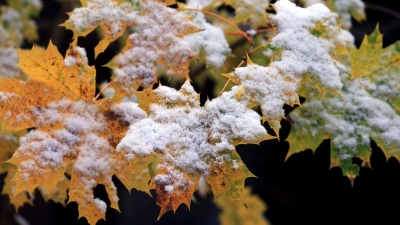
column 302, row 190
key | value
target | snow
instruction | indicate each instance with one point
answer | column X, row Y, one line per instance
column 5, row 96
column 199, row 4
column 158, row 40
column 77, row 131
column 16, row 25
column 345, row 8
column 190, row 137
column 128, row 112
column 169, row 189
column 109, row 13
column 70, row 61
column 351, row 120
column 100, row 205
column 300, row 55
column 211, row 40
column 294, row 25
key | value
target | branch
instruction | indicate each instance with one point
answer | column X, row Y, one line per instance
column 223, row 19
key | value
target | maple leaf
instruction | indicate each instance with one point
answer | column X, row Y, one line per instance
column 273, row 86
column 367, row 109
column 70, row 127
column 191, row 141
column 158, row 38
column 234, row 212
column 8, row 144
column 47, row 84
column 211, row 40
column 60, row 193
column 380, row 66
column 95, row 13
column 350, row 122
column 158, row 42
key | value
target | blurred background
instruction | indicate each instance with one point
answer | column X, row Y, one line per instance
column 301, row 190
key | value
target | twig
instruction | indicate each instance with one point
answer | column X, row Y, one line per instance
column 227, row 82
column 264, row 30
column 382, row 9
column 260, row 46
column 233, row 33
column 223, row 19
column 102, row 90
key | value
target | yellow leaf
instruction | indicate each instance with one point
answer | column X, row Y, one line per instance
column 59, row 194
column 48, row 66
column 8, row 144
column 229, row 177
column 170, row 196
column 235, row 212
column 146, row 98
column 139, row 175
column 20, row 199
column 70, row 127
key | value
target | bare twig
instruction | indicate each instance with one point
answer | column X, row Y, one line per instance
column 223, row 19
column 102, row 90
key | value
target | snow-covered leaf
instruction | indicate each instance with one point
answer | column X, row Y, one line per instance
column 193, row 140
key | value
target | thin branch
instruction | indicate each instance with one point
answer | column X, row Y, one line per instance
column 223, row 89
column 227, row 82
column 102, row 90
column 382, row 9
column 264, row 30
column 233, row 33
column 223, row 19
column 258, row 47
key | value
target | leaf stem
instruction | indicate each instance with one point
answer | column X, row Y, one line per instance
column 258, row 47
column 223, row 19
column 264, row 30
column 102, row 90
column 227, row 82
column 383, row 9
column 233, row 32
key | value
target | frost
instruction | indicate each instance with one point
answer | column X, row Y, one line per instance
column 211, row 40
